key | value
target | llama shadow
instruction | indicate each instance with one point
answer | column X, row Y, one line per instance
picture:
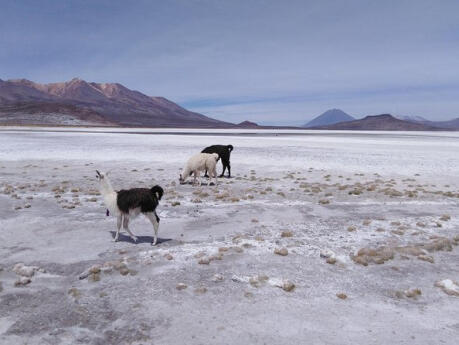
column 140, row 239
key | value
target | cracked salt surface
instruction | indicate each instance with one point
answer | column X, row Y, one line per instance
column 221, row 251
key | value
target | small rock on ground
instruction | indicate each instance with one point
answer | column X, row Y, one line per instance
column 22, row 281
column 181, row 286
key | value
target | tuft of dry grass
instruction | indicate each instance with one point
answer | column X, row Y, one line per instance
column 445, row 217
column 204, row 261
column 373, row 255
column 286, row 233
column 355, row 192
column 413, row 293
column 427, row 258
column 222, row 196
column 74, row 292
column 281, row 251
column 288, row 286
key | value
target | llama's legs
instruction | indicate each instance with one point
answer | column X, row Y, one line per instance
column 215, row 175
column 224, row 168
column 194, row 178
column 154, row 220
column 226, row 165
column 126, row 227
column 118, row 225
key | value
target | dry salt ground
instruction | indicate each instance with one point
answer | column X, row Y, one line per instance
column 320, row 237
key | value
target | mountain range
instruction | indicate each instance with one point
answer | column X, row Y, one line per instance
column 338, row 119
column 77, row 102
column 83, row 103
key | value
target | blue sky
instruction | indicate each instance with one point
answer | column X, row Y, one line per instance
column 273, row 62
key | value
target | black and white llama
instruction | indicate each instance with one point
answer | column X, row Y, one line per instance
column 129, row 203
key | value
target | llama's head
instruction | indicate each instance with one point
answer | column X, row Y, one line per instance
column 104, row 183
column 101, row 176
column 181, row 179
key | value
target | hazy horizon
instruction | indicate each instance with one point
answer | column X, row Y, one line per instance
column 269, row 62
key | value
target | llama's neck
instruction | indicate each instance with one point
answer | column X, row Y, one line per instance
column 186, row 172
column 105, row 187
column 109, row 195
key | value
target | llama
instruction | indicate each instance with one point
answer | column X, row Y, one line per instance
column 224, row 152
column 198, row 163
column 127, row 204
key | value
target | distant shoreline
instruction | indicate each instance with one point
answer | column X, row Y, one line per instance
column 233, row 132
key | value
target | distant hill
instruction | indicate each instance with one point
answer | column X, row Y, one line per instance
column 449, row 124
column 384, row 122
column 330, row 117
column 248, row 124
column 26, row 102
column 413, row 118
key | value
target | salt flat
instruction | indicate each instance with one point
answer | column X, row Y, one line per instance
column 381, row 208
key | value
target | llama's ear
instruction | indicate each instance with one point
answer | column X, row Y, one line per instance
column 98, row 173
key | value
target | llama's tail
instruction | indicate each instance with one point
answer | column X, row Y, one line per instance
column 158, row 191
column 230, row 148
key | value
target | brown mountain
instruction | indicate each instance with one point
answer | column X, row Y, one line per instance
column 248, row 124
column 384, row 122
column 109, row 103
